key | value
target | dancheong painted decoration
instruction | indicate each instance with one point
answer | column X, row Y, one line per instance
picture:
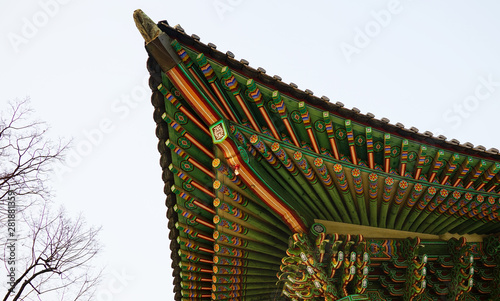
column 275, row 194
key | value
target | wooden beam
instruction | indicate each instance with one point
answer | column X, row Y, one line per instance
column 382, row 233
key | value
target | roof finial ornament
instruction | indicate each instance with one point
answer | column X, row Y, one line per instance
column 158, row 44
column 148, row 29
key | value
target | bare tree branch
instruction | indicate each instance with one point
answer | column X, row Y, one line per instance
column 54, row 252
column 26, row 156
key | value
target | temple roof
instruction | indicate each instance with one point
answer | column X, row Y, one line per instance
column 252, row 164
column 323, row 102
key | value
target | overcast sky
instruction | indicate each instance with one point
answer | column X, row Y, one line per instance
column 435, row 66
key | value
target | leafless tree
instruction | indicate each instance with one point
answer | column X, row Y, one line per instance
column 53, row 252
column 56, row 258
column 26, row 155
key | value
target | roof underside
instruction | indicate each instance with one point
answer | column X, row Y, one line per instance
column 248, row 161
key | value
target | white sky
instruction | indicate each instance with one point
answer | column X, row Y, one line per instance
column 431, row 65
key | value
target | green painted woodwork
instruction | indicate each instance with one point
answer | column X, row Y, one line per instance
column 231, row 261
column 439, row 215
column 416, row 210
column 307, row 171
column 386, row 199
column 260, row 235
column 340, row 175
column 373, row 193
column 401, row 267
column 360, row 198
column 182, row 54
column 394, row 163
column 247, row 216
column 191, row 245
column 222, row 168
column 399, row 198
column 420, row 223
column 247, row 204
column 192, row 203
column 462, row 271
column 307, row 273
column 237, row 241
column 329, row 165
column 234, row 252
column 287, row 179
column 191, row 232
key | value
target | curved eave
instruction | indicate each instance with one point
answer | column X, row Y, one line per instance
column 323, row 103
column 269, row 232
